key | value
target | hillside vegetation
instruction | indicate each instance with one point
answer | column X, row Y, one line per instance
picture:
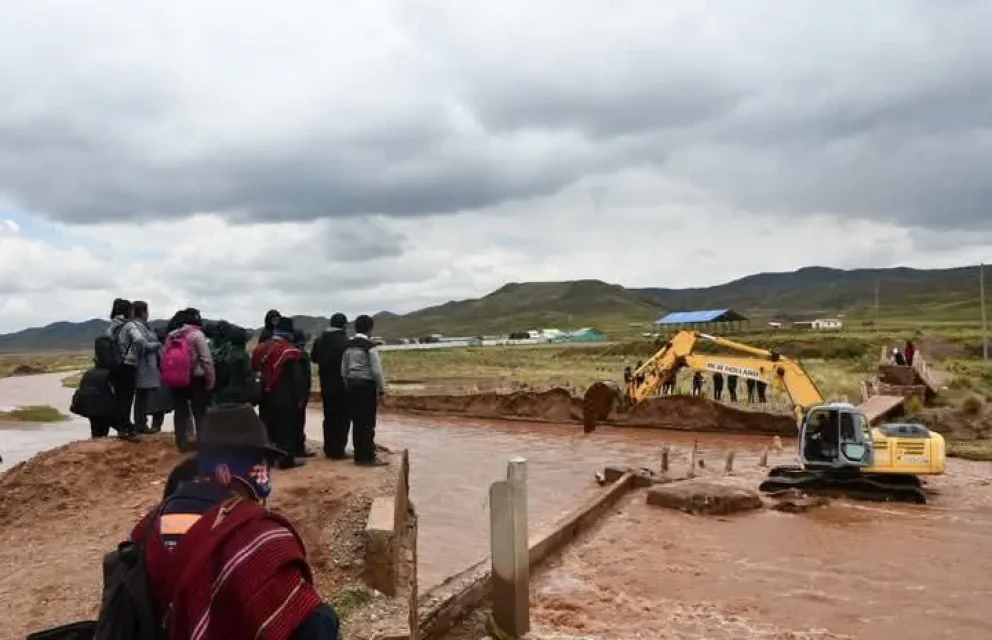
column 938, row 294
column 944, row 298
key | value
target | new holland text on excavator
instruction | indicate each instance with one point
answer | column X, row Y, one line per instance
column 839, row 450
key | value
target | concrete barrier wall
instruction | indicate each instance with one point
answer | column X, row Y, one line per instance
column 385, row 530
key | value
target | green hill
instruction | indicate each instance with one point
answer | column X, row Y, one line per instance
column 941, row 295
column 519, row 306
column 938, row 294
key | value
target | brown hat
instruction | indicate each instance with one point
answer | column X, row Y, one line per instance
column 235, row 426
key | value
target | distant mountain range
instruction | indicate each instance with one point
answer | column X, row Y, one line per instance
column 936, row 294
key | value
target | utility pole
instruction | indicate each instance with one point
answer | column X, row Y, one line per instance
column 876, row 303
column 985, row 323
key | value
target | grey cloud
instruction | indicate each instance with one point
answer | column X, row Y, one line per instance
column 870, row 110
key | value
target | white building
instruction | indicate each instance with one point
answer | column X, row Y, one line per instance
column 820, row 324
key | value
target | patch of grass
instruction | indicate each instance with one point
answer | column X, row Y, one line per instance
column 980, row 450
column 347, row 601
column 30, row 364
column 34, row 413
column 72, row 381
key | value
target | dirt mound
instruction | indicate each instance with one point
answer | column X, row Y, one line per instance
column 555, row 405
column 558, row 405
column 64, row 508
column 26, row 370
column 699, row 414
column 71, row 477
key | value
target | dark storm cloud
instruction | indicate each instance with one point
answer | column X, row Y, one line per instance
column 877, row 110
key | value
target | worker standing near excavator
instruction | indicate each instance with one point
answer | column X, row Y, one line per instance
column 732, row 388
column 717, row 386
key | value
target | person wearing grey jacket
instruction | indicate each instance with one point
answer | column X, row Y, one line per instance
column 361, row 370
column 148, row 382
column 129, row 342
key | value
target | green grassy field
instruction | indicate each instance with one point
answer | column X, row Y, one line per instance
column 34, row 413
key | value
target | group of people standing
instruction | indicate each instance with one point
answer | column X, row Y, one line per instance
column 140, row 374
column 756, row 389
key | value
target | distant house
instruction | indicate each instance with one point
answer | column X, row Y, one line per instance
column 544, row 334
column 720, row 318
column 585, row 334
column 820, row 324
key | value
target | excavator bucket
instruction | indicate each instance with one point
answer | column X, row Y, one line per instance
column 600, row 400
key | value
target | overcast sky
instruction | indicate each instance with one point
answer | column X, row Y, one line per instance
column 364, row 155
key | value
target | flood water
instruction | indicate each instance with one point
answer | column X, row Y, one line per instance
column 452, row 463
column 855, row 570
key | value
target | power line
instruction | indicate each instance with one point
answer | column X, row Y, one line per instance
column 985, row 324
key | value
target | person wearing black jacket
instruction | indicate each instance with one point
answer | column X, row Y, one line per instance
column 732, row 388
column 300, row 339
column 272, row 318
column 326, row 353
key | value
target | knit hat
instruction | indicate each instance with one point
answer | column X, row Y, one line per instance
column 235, row 427
column 285, row 325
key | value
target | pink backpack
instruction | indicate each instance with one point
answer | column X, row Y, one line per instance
column 177, row 361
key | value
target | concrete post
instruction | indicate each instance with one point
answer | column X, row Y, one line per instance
column 728, row 467
column 763, row 462
column 665, row 452
column 692, row 464
column 510, row 556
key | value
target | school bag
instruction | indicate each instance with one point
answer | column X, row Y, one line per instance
column 176, row 365
column 94, row 397
column 126, row 610
column 107, row 351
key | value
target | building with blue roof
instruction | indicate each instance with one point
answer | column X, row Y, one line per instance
column 728, row 318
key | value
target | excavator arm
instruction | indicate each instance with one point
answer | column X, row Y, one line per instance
column 758, row 364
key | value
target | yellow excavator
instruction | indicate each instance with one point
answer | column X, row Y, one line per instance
column 839, row 451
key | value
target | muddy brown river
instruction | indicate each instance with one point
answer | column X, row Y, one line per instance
column 848, row 570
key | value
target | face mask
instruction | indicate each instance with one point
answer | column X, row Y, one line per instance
column 253, row 472
column 261, row 481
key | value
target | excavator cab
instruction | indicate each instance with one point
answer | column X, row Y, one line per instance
column 837, row 449
column 834, row 436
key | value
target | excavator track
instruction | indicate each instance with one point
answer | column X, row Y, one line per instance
column 879, row 488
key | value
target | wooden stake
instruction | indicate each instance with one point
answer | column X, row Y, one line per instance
column 728, row 466
column 665, row 451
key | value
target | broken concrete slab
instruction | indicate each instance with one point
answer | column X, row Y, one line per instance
column 381, row 547
column 704, row 497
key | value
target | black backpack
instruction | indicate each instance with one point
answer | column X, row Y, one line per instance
column 107, row 350
column 94, row 397
column 126, row 610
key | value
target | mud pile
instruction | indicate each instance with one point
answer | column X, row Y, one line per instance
column 26, row 370
column 558, row 405
column 555, row 405
column 699, row 414
column 63, row 509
